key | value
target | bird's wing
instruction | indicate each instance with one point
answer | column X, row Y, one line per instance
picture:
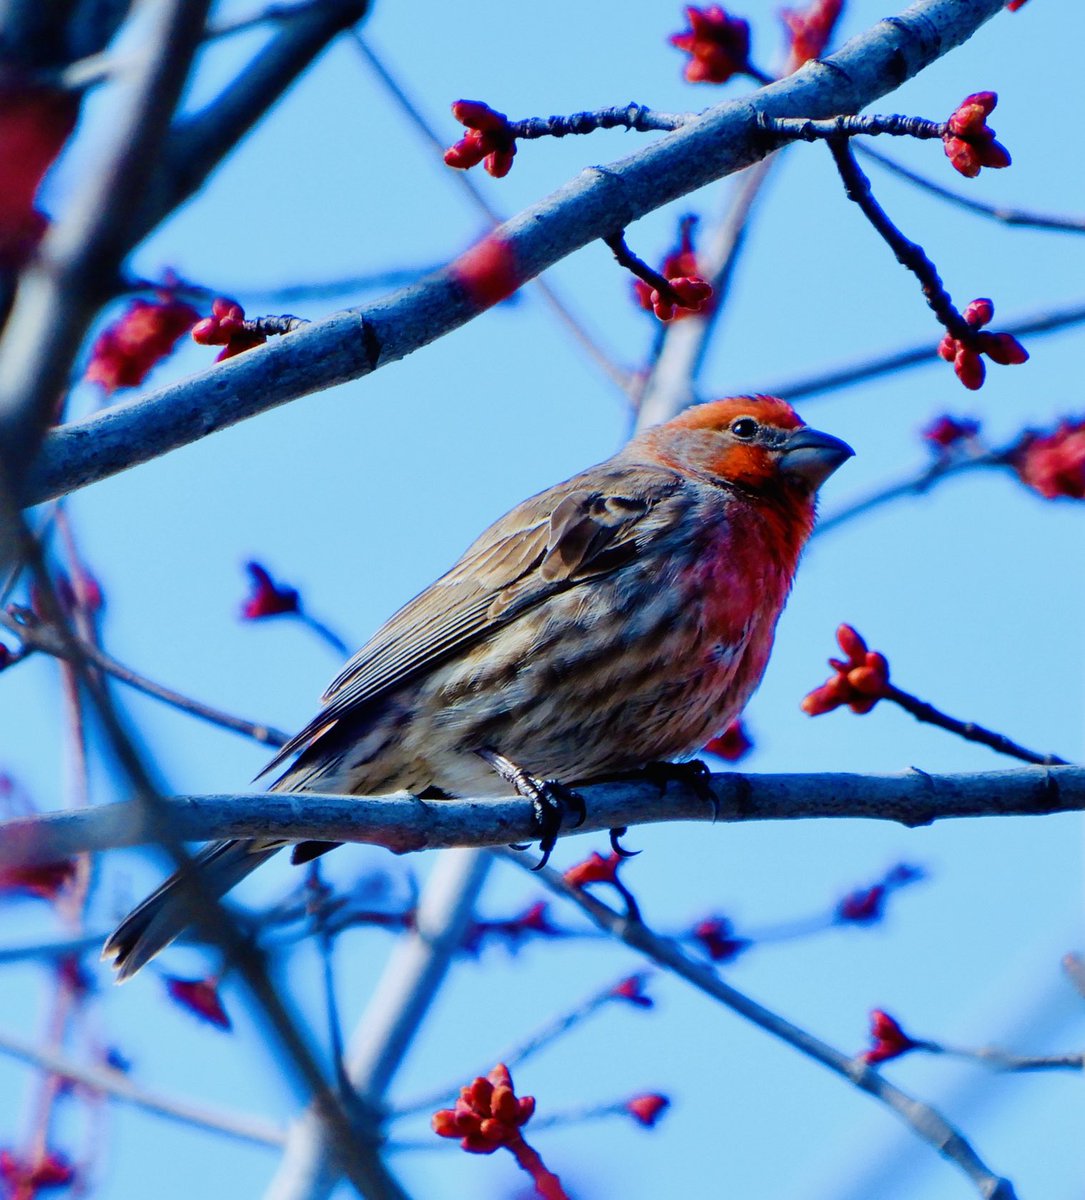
column 592, row 525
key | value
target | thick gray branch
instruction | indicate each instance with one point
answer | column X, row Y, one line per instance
column 405, row 824
column 598, row 202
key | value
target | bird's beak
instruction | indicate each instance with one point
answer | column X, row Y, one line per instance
column 812, row 456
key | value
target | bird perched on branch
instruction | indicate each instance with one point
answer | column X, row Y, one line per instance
column 619, row 619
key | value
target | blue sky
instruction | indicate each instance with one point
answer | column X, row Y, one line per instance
column 362, row 494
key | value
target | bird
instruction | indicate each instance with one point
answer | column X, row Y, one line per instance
column 616, row 620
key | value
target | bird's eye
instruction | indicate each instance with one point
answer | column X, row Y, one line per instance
column 745, row 428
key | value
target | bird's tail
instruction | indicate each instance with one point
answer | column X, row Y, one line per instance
column 167, row 913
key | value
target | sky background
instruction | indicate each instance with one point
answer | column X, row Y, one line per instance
column 363, row 494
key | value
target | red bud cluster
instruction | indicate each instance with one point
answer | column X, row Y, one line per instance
column 227, row 327
column 810, row 29
column 716, row 937
column 947, row 433
column 860, row 681
column 647, row 1109
column 1014, row 5
column 1053, row 464
column 594, row 869
column 733, row 744
column 124, row 353
column 201, row 997
column 688, row 293
column 965, row 353
column 23, row 1180
column 969, row 141
column 887, row 1038
column 631, row 989
column 487, row 1115
column 717, row 43
column 489, row 139
column 866, row 906
column 268, row 598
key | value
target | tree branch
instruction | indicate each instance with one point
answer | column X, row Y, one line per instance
column 353, row 343
column 405, row 824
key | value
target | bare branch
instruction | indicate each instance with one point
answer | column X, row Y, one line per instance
column 405, row 824
column 120, row 1086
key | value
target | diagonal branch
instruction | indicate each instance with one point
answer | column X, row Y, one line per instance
column 924, row 1120
column 405, row 824
column 353, row 343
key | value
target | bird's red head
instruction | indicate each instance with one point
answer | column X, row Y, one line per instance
column 758, row 444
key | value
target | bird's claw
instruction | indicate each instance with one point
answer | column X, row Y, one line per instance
column 552, row 802
column 615, row 842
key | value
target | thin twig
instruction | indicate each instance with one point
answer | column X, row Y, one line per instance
column 924, row 1120
column 942, row 468
column 922, row 354
column 969, row 730
column 38, row 635
column 1002, row 1060
column 626, row 258
column 1007, row 214
column 523, row 1049
column 908, row 253
column 120, row 1086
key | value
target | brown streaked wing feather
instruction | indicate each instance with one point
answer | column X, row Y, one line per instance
column 577, row 530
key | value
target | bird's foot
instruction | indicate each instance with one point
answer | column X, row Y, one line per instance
column 693, row 774
column 551, row 800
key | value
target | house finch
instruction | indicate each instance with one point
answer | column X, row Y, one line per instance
column 618, row 619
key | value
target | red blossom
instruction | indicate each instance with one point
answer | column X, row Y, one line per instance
column 964, row 353
column 1053, row 464
column 534, row 921
column 810, row 29
column 146, row 332
column 860, row 681
column 866, row 906
column 200, row 996
column 35, row 122
column 647, row 1109
column 489, row 139
column 947, row 433
column 632, row 990
column 887, row 1038
column 733, row 744
column 23, row 1180
column 1014, row 5
column 44, row 881
column 716, row 937
column 594, row 869
column 969, row 141
column 227, row 327
column 487, row 271
column 487, row 1115
column 268, row 598
column 717, row 43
